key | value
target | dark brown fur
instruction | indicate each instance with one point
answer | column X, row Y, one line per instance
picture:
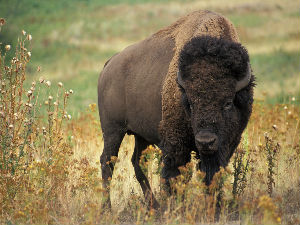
column 210, row 68
column 138, row 94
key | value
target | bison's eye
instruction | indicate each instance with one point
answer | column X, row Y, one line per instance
column 228, row 105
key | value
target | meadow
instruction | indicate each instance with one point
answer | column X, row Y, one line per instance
column 50, row 136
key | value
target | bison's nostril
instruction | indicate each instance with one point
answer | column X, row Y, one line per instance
column 207, row 141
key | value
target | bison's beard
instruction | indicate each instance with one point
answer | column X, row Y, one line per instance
column 210, row 164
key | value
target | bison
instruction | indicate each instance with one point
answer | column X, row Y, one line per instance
column 188, row 87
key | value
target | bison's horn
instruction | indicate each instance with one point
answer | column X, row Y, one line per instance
column 179, row 79
column 245, row 81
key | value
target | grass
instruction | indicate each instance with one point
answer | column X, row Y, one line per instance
column 49, row 167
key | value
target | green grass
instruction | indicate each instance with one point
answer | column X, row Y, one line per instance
column 279, row 64
column 73, row 39
column 251, row 20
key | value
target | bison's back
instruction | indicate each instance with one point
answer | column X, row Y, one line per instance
column 129, row 87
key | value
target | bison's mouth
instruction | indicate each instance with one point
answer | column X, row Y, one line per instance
column 206, row 152
column 211, row 163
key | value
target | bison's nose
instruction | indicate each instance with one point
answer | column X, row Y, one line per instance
column 207, row 142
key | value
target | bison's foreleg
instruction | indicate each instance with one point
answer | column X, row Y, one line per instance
column 173, row 159
column 140, row 145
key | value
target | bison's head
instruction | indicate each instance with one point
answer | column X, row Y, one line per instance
column 216, row 85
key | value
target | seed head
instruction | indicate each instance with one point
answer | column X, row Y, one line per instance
column 24, row 32
column 55, row 103
column 274, row 127
column 41, row 80
column 11, row 126
column 293, row 99
column 60, row 84
column 50, row 98
column 48, row 83
column 2, row 21
column 29, row 37
column 29, row 93
column 69, row 117
column 285, row 107
column 7, row 47
column 71, row 91
column 46, row 103
column 29, row 54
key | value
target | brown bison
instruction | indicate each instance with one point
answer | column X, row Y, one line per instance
column 188, row 87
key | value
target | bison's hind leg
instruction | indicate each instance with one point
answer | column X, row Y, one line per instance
column 113, row 137
column 140, row 145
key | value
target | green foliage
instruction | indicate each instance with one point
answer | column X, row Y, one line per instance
column 247, row 20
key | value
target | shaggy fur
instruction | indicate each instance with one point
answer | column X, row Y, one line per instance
column 210, row 68
column 230, row 56
column 198, row 23
column 176, row 134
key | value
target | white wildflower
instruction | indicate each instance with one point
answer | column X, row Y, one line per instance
column 48, row 83
column 7, row 47
column 29, row 37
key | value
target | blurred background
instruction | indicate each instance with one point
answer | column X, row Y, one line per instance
column 72, row 39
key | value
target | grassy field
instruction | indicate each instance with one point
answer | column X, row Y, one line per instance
column 51, row 140
column 73, row 39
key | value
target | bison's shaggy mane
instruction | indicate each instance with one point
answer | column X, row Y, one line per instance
column 231, row 56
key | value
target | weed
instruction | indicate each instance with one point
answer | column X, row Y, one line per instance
column 272, row 150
